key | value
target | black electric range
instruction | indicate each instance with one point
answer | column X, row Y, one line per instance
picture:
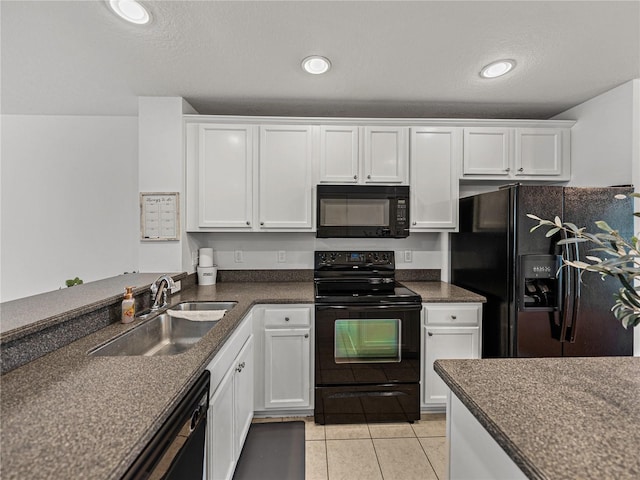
column 367, row 339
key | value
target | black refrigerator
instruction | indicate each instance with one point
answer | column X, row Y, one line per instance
column 534, row 308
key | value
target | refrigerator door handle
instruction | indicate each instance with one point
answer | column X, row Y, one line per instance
column 576, row 298
column 567, row 309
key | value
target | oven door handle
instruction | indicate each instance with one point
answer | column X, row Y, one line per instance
column 361, row 308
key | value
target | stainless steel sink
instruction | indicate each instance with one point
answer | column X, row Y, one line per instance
column 163, row 334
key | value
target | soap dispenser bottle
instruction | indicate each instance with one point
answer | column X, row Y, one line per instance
column 128, row 306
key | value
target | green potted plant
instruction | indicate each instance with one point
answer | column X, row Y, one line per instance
column 74, row 281
column 613, row 256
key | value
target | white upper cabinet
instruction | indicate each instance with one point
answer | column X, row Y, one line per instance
column 285, row 182
column 351, row 154
column 225, row 163
column 249, row 177
column 493, row 153
column 487, row 151
column 386, row 154
column 435, row 155
column 538, row 151
column 257, row 174
column 339, row 154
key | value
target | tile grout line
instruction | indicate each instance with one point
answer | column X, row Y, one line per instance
column 373, row 444
column 428, row 459
column 326, row 454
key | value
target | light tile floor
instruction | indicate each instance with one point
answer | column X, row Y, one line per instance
column 376, row 451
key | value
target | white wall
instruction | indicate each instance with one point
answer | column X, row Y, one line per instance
column 260, row 250
column 69, row 200
column 602, row 139
column 161, row 169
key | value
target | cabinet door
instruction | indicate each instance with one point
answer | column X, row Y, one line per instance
column 286, row 364
column 444, row 343
column 221, row 454
column 339, row 154
column 538, row 151
column 285, row 190
column 225, row 160
column 487, row 151
column 386, row 153
column 243, row 394
column 435, row 156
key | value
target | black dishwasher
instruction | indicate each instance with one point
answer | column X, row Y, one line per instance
column 176, row 452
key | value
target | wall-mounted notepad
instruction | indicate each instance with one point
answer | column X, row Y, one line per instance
column 160, row 216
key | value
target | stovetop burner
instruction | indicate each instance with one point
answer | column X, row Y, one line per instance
column 348, row 277
column 397, row 294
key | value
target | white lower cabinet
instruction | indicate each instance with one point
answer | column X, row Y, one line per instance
column 450, row 331
column 284, row 347
column 231, row 403
column 286, row 372
column 473, row 452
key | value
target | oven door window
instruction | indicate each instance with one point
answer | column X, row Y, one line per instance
column 339, row 212
column 367, row 340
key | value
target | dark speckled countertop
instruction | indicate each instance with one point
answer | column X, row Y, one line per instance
column 70, row 415
column 557, row 418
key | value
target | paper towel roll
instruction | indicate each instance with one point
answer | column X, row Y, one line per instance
column 206, row 257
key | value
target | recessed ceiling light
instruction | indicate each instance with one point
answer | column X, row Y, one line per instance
column 131, row 10
column 497, row 69
column 316, row 64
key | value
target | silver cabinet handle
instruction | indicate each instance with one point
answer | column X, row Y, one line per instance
column 261, row 223
column 248, row 222
column 369, row 177
column 430, row 334
column 521, row 169
column 355, row 177
column 415, row 223
column 286, row 319
column 240, row 367
column 453, row 317
column 306, row 335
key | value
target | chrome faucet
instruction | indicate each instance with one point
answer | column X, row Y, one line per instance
column 160, row 291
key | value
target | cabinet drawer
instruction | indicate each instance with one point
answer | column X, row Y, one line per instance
column 452, row 315
column 285, row 317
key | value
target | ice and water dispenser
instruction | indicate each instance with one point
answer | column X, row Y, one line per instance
column 540, row 283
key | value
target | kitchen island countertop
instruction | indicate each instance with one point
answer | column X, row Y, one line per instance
column 556, row 418
column 71, row 415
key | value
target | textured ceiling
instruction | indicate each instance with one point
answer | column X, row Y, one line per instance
column 390, row 58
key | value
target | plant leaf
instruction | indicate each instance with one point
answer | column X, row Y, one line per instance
column 602, row 225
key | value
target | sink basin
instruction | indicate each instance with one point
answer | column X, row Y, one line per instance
column 199, row 306
column 162, row 335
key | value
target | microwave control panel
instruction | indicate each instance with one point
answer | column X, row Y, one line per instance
column 401, row 211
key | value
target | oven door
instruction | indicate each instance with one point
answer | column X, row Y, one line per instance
column 367, row 364
column 367, row 345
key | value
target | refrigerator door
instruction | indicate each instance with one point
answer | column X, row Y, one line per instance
column 481, row 261
column 594, row 331
column 536, row 332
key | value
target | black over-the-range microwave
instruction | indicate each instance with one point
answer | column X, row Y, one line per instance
column 362, row 211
